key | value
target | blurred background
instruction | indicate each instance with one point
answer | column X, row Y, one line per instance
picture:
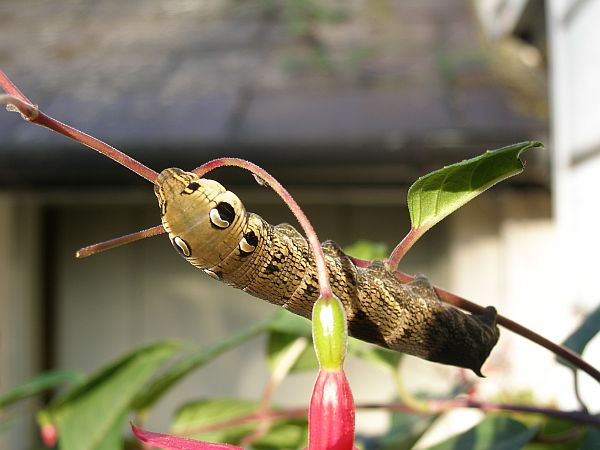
column 347, row 103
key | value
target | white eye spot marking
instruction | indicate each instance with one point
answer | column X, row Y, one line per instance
column 222, row 216
column 215, row 219
column 246, row 247
column 182, row 246
column 215, row 275
column 248, row 243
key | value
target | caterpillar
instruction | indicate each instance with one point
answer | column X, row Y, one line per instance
column 210, row 227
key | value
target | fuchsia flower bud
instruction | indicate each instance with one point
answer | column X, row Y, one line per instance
column 49, row 435
column 331, row 416
column 48, row 430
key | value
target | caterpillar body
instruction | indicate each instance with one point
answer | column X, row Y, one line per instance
column 210, row 227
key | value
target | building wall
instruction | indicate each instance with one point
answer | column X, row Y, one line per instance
column 19, row 311
column 575, row 96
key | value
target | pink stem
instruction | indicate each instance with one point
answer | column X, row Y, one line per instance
column 17, row 101
column 403, row 247
column 313, row 241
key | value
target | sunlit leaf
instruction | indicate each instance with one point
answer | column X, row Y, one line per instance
column 589, row 328
column 88, row 416
column 437, row 194
column 40, row 384
column 493, row 433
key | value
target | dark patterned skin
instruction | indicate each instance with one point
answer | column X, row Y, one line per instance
column 210, row 227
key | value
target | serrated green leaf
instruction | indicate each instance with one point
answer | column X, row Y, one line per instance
column 202, row 420
column 497, row 432
column 437, row 194
column 41, row 383
column 279, row 344
column 589, row 328
column 88, row 415
column 171, row 376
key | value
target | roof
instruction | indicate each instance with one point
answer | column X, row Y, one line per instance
column 280, row 83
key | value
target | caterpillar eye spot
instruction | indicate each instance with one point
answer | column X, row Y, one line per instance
column 191, row 188
column 222, row 216
column 182, row 246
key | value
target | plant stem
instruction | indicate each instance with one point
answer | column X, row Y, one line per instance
column 16, row 101
column 315, row 245
column 515, row 327
column 434, row 407
column 403, row 247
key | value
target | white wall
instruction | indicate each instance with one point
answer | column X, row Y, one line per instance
column 575, row 96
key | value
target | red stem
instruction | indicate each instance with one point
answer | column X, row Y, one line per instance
column 11, row 89
column 403, row 247
column 30, row 112
column 313, row 240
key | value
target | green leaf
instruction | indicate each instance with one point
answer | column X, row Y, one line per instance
column 88, row 415
column 583, row 334
column 279, row 344
column 168, row 378
column 438, row 194
column 284, row 435
column 223, row 420
column 556, row 434
column 497, row 432
column 39, row 384
column 209, row 420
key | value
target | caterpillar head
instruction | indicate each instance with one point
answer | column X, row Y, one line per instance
column 204, row 220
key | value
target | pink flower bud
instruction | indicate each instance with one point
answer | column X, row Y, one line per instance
column 49, row 434
column 331, row 416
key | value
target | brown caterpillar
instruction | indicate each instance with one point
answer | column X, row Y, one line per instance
column 210, row 227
